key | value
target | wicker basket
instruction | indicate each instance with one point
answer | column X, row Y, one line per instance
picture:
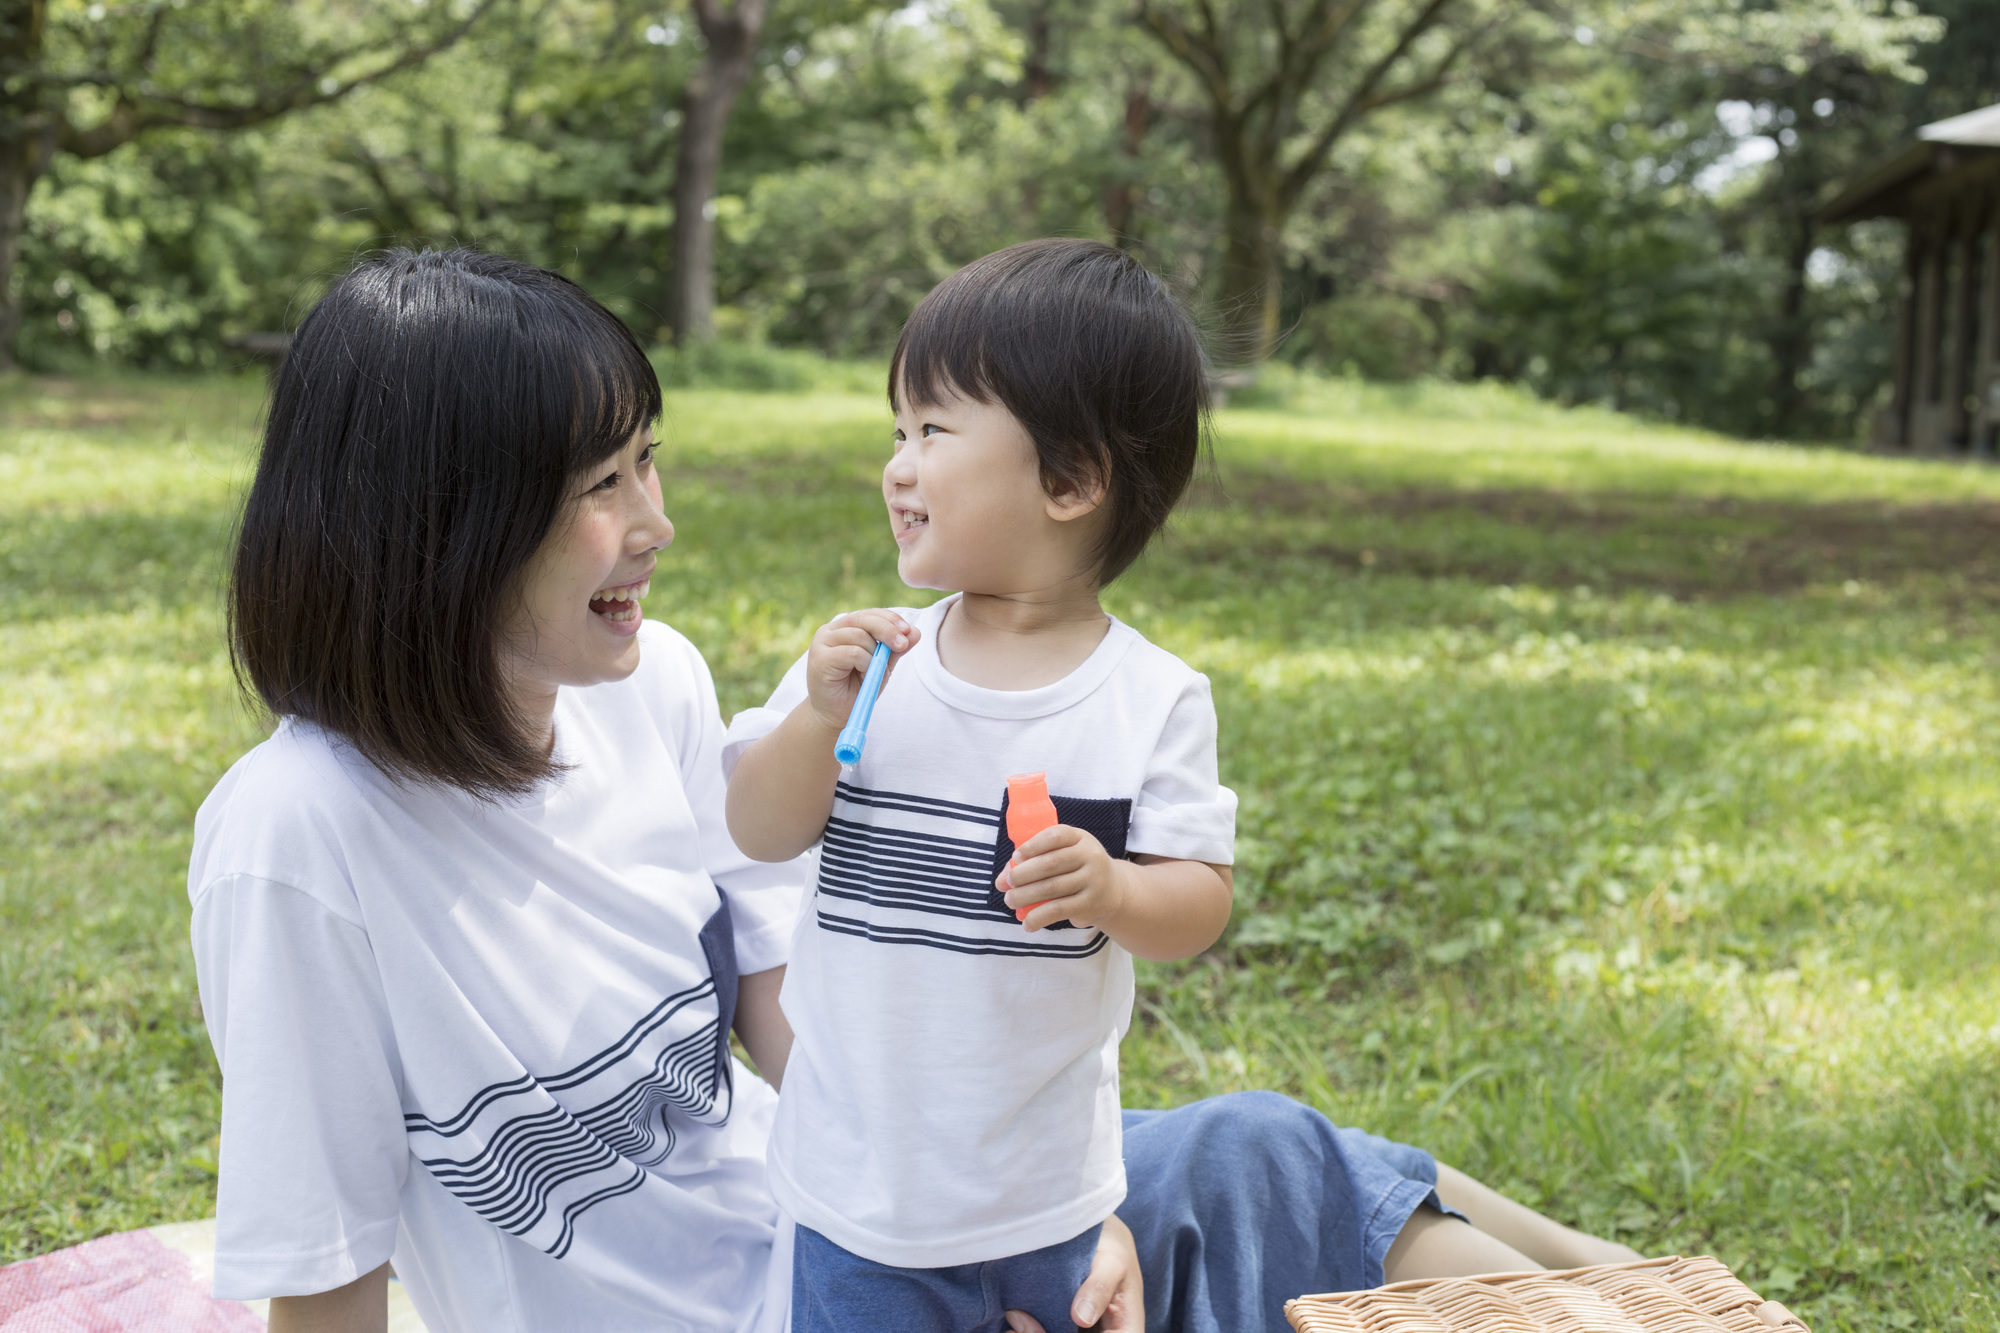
column 1671, row 1295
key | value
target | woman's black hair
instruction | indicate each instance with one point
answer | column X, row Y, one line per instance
column 1092, row 354
column 424, row 432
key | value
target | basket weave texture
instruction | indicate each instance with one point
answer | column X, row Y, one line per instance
column 1671, row 1295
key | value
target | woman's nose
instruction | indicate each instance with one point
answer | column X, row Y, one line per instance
column 652, row 530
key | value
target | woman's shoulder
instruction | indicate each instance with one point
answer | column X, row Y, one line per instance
column 281, row 813
column 667, row 654
column 672, row 680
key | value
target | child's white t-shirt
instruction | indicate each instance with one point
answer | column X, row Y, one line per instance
column 952, row 1092
column 491, row 1038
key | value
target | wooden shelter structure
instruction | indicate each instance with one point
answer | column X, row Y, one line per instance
column 1945, row 184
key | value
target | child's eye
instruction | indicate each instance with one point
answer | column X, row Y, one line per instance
column 929, row 427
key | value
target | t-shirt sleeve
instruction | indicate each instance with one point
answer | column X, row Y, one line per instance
column 1183, row 810
column 313, row 1150
column 754, row 724
column 763, row 896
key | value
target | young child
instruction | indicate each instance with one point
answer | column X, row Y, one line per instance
column 948, row 1139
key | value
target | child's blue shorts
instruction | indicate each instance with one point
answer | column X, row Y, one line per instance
column 835, row 1291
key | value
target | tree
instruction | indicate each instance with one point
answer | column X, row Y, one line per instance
column 1820, row 80
column 1285, row 81
column 731, row 32
column 86, row 79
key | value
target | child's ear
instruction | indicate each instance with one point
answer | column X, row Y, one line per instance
column 1078, row 498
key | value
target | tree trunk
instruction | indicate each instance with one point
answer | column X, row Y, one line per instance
column 27, row 141
column 24, row 155
column 1122, row 196
column 1038, row 77
column 1249, row 290
column 705, row 106
column 1791, row 340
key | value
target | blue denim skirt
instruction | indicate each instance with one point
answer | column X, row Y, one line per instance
column 1239, row 1203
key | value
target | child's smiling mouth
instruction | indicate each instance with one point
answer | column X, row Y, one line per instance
column 908, row 520
column 621, row 603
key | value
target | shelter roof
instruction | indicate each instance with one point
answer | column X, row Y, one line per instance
column 1883, row 188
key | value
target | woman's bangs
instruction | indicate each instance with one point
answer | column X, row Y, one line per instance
column 617, row 394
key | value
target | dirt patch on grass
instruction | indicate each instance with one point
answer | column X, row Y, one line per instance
column 50, row 402
column 1686, row 546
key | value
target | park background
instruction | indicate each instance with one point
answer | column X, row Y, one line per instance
column 1614, row 738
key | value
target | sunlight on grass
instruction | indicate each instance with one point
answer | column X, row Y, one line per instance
column 1617, row 817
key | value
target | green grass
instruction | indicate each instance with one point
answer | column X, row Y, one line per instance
column 1620, row 816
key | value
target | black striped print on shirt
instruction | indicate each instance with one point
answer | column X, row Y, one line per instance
column 874, row 856
column 533, row 1155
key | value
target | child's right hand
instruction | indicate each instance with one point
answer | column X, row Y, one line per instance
column 838, row 659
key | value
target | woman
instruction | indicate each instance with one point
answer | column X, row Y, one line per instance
column 470, row 930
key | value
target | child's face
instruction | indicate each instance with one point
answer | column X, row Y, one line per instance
column 966, row 504
column 564, row 631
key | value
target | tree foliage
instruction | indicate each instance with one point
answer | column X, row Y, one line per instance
column 1608, row 202
column 81, row 80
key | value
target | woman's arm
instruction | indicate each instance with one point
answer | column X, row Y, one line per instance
column 761, row 1024
column 362, row 1306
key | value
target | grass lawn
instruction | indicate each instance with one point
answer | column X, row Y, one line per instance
column 1620, row 817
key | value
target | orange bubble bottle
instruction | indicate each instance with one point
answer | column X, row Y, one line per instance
column 1029, row 811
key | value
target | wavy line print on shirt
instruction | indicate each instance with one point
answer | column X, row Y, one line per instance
column 890, row 854
column 533, row 1155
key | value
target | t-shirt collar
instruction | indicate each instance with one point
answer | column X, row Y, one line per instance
column 1092, row 672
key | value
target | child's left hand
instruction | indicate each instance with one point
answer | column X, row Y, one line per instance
column 1067, row 871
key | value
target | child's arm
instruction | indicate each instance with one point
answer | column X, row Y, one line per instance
column 782, row 790
column 1154, row 907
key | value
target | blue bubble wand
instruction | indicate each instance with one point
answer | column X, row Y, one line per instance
column 847, row 749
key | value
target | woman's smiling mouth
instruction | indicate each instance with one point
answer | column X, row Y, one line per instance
column 620, row 604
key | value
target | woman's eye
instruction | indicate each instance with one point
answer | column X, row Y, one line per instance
column 646, row 458
column 609, row 483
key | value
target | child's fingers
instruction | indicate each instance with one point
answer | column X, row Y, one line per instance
column 840, row 651
column 1068, row 884
column 1065, row 858
column 1053, row 838
column 1065, row 907
column 881, row 627
column 1039, row 872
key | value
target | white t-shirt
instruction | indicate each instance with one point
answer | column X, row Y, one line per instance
column 491, row 1038
column 952, row 1092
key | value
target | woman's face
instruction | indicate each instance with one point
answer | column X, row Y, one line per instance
column 576, row 621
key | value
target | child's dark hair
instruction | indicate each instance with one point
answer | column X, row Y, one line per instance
column 1093, row 356
column 423, row 434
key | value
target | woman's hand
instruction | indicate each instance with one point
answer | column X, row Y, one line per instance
column 1114, row 1291
column 839, row 655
